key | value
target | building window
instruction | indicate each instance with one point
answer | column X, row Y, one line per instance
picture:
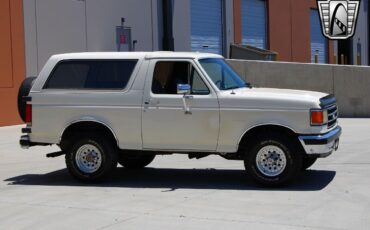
column 254, row 23
column 319, row 44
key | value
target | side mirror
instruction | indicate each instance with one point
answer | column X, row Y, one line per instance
column 183, row 89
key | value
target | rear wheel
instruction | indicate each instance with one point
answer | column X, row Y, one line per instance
column 273, row 160
column 135, row 160
column 90, row 159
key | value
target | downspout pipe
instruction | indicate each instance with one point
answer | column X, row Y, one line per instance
column 368, row 30
column 168, row 40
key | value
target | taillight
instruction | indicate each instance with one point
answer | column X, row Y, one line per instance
column 28, row 113
column 319, row 117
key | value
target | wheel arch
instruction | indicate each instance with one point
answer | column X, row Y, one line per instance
column 263, row 128
column 87, row 125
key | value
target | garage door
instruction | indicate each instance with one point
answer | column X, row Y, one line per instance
column 254, row 23
column 318, row 41
column 206, row 26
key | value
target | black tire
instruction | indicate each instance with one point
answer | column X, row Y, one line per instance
column 24, row 90
column 283, row 145
column 108, row 159
column 135, row 160
column 308, row 162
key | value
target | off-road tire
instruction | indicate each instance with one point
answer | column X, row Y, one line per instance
column 293, row 159
column 108, row 158
column 135, row 160
column 308, row 162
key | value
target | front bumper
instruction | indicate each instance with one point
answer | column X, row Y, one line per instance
column 321, row 145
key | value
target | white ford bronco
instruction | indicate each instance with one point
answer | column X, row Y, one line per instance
column 104, row 108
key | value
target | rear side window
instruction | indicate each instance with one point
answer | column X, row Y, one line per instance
column 91, row 75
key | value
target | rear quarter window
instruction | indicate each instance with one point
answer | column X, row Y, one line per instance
column 91, row 74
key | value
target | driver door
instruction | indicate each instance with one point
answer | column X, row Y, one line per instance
column 172, row 121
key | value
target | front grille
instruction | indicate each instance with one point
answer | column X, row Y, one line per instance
column 332, row 115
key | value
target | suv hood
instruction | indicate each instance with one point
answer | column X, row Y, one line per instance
column 272, row 98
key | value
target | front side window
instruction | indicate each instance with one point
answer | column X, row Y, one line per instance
column 168, row 74
column 224, row 77
column 94, row 74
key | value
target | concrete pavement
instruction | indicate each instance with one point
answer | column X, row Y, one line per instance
column 176, row 193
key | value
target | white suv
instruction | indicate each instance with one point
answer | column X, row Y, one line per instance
column 104, row 108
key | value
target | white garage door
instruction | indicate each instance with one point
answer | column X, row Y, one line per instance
column 206, row 26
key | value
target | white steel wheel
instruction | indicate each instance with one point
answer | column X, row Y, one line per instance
column 88, row 158
column 271, row 160
column 91, row 159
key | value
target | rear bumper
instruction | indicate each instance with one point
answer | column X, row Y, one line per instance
column 25, row 142
column 321, row 145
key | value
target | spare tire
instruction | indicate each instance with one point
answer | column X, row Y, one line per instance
column 23, row 92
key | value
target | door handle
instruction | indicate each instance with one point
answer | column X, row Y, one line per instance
column 189, row 97
column 151, row 102
column 186, row 106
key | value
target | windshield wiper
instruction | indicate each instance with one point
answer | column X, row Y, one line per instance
column 233, row 87
column 248, row 85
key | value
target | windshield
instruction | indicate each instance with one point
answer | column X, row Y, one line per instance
column 224, row 77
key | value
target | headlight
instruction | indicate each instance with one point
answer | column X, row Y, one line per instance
column 319, row 117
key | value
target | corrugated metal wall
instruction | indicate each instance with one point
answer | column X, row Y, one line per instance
column 207, row 26
column 254, row 23
column 319, row 44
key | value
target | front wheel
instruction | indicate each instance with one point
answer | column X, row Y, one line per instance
column 273, row 160
column 90, row 159
column 308, row 162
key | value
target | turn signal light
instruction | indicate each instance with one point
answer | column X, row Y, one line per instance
column 318, row 117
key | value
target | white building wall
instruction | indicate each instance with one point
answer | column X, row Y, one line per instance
column 30, row 37
column 60, row 26
column 104, row 16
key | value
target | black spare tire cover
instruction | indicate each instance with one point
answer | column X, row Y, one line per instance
column 23, row 92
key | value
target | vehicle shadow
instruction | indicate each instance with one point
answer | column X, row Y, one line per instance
column 172, row 179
